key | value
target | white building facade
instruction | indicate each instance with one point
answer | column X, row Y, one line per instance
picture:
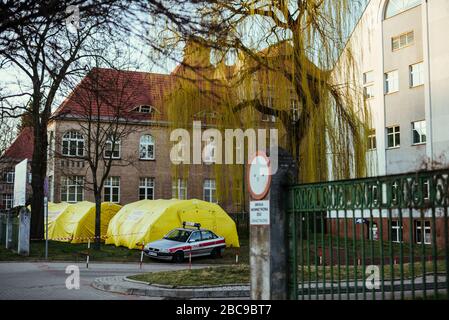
column 400, row 51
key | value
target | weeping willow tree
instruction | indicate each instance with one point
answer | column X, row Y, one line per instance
column 281, row 60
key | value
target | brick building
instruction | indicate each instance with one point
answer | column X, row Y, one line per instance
column 141, row 167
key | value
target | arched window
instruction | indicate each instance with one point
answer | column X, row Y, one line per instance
column 147, row 147
column 395, row 7
column 73, row 144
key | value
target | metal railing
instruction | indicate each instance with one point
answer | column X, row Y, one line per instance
column 374, row 238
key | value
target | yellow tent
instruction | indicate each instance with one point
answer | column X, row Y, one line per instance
column 77, row 222
column 149, row 220
column 54, row 210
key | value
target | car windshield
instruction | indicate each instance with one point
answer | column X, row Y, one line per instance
column 178, row 235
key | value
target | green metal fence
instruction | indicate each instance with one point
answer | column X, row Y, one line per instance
column 374, row 238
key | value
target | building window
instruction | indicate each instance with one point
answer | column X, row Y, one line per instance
column 8, row 201
column 294, row 106
column 423, row 232
column 147, row 147
column 9, row 177
column 368, row 85
column 112, row 190
column 73, row 144
column 112, row 149
column 368, row 92
column 210, row 152
column 146, row 189
column 391, row 82
column 179, row 189
column 416, row 75
column 393, row 137
column 396, row 231
column 395, row 7
column 372, row 141
column 72, row 189
column 210, row 191
column 419, row 132
column 402, row 41
column 368, row 77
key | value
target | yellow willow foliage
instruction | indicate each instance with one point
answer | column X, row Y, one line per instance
column 326, row 130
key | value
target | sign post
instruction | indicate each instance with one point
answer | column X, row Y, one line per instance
column 259, row 181
column 268, row 225
column 46, row 215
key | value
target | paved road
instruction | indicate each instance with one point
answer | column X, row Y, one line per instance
column 41, row 280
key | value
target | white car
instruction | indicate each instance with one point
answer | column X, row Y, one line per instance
column 180, row 243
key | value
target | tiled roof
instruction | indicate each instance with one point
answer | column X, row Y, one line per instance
column 22, row 147
column 110, row 93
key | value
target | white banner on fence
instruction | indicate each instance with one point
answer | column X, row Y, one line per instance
column 20, row 183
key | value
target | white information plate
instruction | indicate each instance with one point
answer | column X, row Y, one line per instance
column 259, row 213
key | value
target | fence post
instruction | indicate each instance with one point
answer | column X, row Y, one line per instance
column 279, row 243
column 9, row 231
column 24, row 232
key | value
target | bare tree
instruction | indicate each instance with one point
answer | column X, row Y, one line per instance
column 103, row 108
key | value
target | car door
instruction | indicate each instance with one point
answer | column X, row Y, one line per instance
column 195, row 242
column 207, row 240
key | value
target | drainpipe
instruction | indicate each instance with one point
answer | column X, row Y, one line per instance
column 429, row 90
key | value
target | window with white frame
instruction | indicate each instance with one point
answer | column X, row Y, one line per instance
column 9, row 177
column 368, row 85
column 179, row 189
column 112, row 190
column 73, row 144
column 147, row 147
column 146, row 188
column 419, row 132
column 423, row 232
column 393, row 137
column 391, row 82
column 372, row 141
column 402, row 41
column 112, row 149
column 72, row 189
column 294, row 106
column 396, row 231
column 8, row 201
column 416, row 74
column 210, row 191
column 210, row 151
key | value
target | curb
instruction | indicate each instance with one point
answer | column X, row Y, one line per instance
column 167, row 286
column 122, row 286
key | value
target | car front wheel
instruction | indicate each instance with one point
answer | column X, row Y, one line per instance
column 178, row 257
